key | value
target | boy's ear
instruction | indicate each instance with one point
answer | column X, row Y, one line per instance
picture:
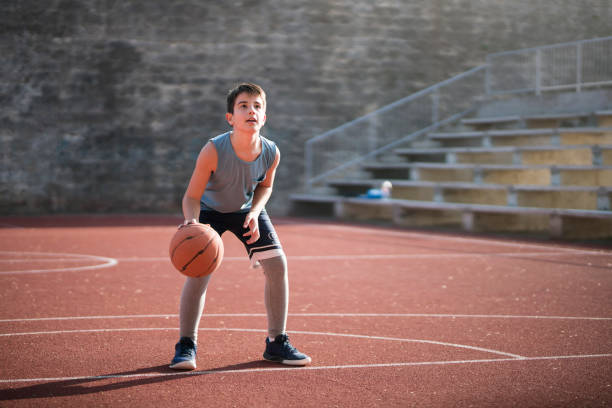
column 229, row 117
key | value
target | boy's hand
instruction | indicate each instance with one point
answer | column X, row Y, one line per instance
column 188, row 222
column 251, row 222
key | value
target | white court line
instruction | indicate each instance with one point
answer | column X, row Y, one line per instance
column 343, row 257
column 106, row 262
column 109, row 262
column 410, row 315
column 300, row 369
column 358, row 336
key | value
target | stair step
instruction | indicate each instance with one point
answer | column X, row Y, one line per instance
column 604, row 118
column 577, row 197
column 587, row 135
column 526, row 137
column 540, row 120
column 551, row 155
column 498, row 174
column 470, row 217
column 554, row 120
column 488, row 122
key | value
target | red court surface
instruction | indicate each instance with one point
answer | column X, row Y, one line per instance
column 391, row 317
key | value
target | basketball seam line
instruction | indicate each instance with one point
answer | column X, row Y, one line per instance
column 200, row 252
column 181, row 243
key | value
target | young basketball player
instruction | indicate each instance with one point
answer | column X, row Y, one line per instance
column 229, row 187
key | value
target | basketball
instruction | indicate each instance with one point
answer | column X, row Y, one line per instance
column 196, row 250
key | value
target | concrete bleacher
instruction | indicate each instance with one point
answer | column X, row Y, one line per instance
column 561, row 155
column 543, row 173
column 568, row 197
column 526, row 137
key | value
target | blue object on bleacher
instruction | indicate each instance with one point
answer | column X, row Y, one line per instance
column 373, row 193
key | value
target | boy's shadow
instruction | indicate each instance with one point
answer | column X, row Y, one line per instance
column 143, row 376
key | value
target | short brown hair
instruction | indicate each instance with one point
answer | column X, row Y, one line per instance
column 249, row 88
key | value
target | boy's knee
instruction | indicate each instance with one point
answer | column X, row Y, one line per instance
column 276, row 266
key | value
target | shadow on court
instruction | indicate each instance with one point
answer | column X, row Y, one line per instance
column 115, row 381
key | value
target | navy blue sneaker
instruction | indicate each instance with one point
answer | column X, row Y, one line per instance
column 281, row 351
column 185, row 356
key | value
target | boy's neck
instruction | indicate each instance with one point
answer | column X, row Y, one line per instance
column 244, row 138
column 246, row 145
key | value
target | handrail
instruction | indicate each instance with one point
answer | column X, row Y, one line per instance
column 558, row 45
column 535, row 69
column 564, row 66
column 397, row 103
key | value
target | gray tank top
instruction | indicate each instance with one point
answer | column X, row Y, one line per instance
column 230, row 188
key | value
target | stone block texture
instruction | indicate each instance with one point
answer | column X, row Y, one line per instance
column 105, row 104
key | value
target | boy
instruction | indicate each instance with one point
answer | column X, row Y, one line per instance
column 229, row 187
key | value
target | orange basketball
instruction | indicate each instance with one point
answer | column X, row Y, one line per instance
column 196, row 250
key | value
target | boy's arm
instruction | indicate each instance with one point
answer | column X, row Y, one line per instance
column 261, row 195
column 205, row 166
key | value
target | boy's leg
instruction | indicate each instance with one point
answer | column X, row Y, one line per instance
column 278, row 347
column 276, row 294
column 192, row 302
column 192, row 305
column 193, row 298
column 268, row 253
column 193, row 295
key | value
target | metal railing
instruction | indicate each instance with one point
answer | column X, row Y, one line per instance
column 397, row 123
column 568, row 66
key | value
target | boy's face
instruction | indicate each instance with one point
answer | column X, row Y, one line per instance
column 249, row 113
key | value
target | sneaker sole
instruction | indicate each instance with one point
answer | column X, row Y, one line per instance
column 302, row 362
column 184, row 365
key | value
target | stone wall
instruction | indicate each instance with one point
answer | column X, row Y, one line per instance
column 106, row 103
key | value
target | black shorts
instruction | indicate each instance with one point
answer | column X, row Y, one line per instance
column 268, row 244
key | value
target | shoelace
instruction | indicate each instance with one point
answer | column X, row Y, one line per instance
column 185, row 349
column 286, row 344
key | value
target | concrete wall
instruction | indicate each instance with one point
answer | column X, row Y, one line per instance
column 106, row 103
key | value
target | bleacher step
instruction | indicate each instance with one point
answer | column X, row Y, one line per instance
column 525, row 137
column 498, row 174
column 551, row 155
column 470, row 217
column 576, row 197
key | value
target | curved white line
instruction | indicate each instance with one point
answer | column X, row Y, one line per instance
column 358, row 336
column 294, row 369
column 107, row 262
column 439, row 343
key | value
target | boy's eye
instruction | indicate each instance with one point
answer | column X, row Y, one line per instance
column 246, row 106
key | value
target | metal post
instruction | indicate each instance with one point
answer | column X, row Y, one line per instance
column 578, row 67
column 435, row 106
column 487, row 83
column 538, row 61
column 308, row 165
column 372, row 133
